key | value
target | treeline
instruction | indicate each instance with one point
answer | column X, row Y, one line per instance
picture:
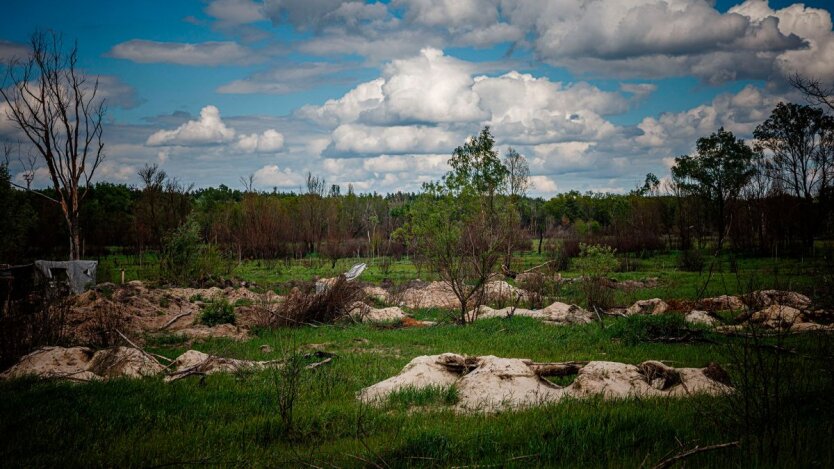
column 773, row 196
column 270, row 225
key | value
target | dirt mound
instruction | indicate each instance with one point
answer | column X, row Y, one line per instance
column 81, row 364
column 193, row 362
column 440, row 295
column 650, row 282
column 489, row 383
column 504, row 383
column 764, row 298
column 364, row 313
column 615, row 380
column 377, row 293
column 421, row 372
column 127, row 362
column 701, row 317
column 139, row 310
column 721, row 303
column 652, row 306
column 557, row 314
column 54, row 363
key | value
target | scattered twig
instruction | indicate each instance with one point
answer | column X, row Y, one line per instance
column 142, row 351
column 175, row 319
column 671, row 461
column 318, row 364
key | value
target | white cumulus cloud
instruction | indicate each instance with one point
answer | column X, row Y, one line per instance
column 208, row 130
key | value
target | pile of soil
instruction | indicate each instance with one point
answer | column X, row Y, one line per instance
column 491, row 384
column 136, row 310
column 557, row 314
column 440, row 295
column 83, row 364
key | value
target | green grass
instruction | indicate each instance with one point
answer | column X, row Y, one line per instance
column 232, row 420
column 718, row 277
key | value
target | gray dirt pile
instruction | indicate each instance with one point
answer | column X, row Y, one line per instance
column 556, row 314
column 491, row 384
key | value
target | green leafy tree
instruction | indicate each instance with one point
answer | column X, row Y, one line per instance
column 462, row 225
column 17, row 217
column 799, row 143
column 717, row 172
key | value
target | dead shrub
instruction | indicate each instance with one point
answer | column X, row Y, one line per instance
column 99, row 331
column 305, row 306
column 40, row 318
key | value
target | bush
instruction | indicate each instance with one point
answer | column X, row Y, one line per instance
column 561, row 252
column 187, row 261
column 309, row 307
column 650, row 328
column 219, row 311
column 39, row 318
column 596, row 263
column 691, row 260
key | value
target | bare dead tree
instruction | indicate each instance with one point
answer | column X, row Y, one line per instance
column 814, row 91
column 248, row 183
column 61, row 114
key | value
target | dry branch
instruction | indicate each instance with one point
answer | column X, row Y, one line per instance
column 671, row 461
column 175, row 319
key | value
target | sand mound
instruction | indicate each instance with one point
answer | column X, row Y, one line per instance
column 54, row 363
column 557, row 314
column 377, row 293
column 652, row 306
column 81, row 364
column 364, row 313
column 193, row 362
column 489, row 384
column 421, row 372
column 764, row 298
column 504, row 383
column 701, row 317
column 440, row 295
column 170, row 310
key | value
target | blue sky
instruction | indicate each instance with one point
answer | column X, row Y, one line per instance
column 594, row 92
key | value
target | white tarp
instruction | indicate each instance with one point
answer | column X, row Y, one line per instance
column 79, row 274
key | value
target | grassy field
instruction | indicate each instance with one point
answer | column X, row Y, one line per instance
column 724, row 274
column 234, row 420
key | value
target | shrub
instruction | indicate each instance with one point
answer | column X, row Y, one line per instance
column 691, row 260
column 309, row 307
column 650, row 328
column 186, row 260
column 596, row 263
column 561, row 252
column 39, row 318
column 219, row 311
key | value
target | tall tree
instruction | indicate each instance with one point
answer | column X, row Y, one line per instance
column 59, row 111
column 460, row 226
column 800, row 141
column 717, row 172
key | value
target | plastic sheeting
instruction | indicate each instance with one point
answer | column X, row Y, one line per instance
column 78, row 275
